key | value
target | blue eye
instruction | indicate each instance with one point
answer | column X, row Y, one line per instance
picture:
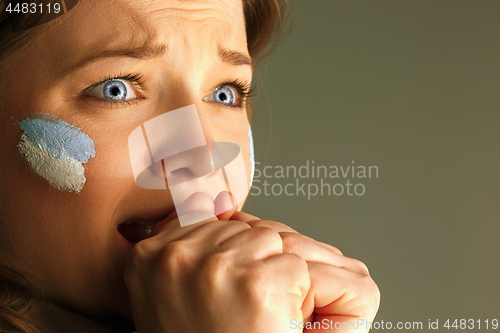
column 232, row 93
column 224, row 95
column 115, row 90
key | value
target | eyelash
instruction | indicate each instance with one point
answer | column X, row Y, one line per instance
column 136, row 79
column 244, row 90
column 242, row 87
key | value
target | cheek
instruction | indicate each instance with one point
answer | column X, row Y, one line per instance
column 109, row 175
column 235, row 128
column 244, row 140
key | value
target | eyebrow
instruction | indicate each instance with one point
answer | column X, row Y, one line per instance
column 146, row 52
column 232, row 57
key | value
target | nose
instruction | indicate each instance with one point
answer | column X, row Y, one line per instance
column 206, row 123
column 177, row 150
column 196, row 159
column 173, row 147
column 187, row 165
column 187, row 153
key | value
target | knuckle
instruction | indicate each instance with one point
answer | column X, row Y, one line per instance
column 268, row 224
column 261, row 281
column 240, row 223
column 140, row 253
column 265, row 233
column 360, row 267
column 138, row 260
column 295, row 263
column 372, row 292
column 292, row 242
column 173, row 257
column 214, row 264
column 376, row 291
column 335, row 249
column 258, row 223
column 213, row 272
column 255, row 282
column 369, row 287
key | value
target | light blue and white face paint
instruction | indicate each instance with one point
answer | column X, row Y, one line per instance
column 56, row 151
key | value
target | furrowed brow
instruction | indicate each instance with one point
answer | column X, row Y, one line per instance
column 235, row 58
column 232, row 57
column 145, row 52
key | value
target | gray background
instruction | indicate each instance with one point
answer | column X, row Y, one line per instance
column 413, row 88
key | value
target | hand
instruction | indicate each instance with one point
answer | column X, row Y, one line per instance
column 218, row 276
column 342, row 290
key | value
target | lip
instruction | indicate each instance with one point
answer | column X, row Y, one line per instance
column 150, row 218
column 157, row 214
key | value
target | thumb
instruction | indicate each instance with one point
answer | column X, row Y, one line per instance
column 243, row 217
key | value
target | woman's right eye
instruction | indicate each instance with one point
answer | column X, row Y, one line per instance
column 113, row 90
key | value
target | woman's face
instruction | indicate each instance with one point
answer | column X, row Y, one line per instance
column 167, row 54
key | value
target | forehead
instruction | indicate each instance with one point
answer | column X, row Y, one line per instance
column 119, row 18
column 187, row 27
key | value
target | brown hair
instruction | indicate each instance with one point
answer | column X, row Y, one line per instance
column 266, row 21
column 18, row 302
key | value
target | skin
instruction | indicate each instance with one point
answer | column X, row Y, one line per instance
column 69, row 244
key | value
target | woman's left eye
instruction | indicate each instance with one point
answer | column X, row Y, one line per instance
column 224, row 95
column 118, row 90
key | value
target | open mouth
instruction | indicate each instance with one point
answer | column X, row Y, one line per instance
column 198, row 207
column 141, row 227
column 137, row 230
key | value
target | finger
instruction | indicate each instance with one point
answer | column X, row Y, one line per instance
column 333, row 248
column 289, row 269
column 170, row 231
column 244, row 217
column 233, row 239
column 253, row 244
column 340, row 292
column 311, row 250
column 279, row 227
column 294, row 241
column 168, row 219
column 197, row 203
column 225, row 205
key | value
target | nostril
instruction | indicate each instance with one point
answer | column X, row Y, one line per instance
column 180, row 175
column 183, row 171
